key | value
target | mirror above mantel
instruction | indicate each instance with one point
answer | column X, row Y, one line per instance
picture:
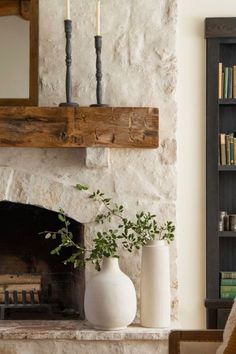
column 19, row 52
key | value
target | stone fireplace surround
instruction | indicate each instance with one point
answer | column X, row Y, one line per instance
column 69, row 337
column 139, row 58
column 21, row 187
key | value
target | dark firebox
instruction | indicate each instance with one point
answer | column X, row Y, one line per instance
column 24, row 251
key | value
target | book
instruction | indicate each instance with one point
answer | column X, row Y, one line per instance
column 229, row 295
column 220, row 81
column 230, row 83
column 219, row 162
column 231, row 147
column 227, row 288
column 226, row 79
column 228, row 282
column 223, row 80
column 234, row 81
column 227, row 147
column 228, row 275
column 234, row 148
column 222, row 149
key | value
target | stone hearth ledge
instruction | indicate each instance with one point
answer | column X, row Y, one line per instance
column 75, row 330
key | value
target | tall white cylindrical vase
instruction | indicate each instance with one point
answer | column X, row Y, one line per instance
column 110, row 298
column 155, row 285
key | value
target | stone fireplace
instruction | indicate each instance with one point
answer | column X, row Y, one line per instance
column 140, row 70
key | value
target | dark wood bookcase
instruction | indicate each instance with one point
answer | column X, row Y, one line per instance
column 220, row 35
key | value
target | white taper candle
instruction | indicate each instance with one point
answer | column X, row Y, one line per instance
column 68, row 9
column 98, row 27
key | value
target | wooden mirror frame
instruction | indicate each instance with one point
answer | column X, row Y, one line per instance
column 28, row 10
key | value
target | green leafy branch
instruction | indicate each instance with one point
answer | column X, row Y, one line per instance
column 129, row 234
column 66, row 241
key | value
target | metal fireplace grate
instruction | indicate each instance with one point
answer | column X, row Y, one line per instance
column 24, row 300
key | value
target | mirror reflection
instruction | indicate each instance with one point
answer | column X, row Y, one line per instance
column 14, row 57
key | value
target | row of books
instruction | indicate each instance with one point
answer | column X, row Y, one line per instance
column 227, row 149
column 228, row 285
column 226, row 81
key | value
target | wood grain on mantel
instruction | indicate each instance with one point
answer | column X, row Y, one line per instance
column 79, row 127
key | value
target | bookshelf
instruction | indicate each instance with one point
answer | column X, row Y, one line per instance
column 220, row 35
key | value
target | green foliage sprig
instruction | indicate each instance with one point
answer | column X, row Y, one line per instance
column 129, row 234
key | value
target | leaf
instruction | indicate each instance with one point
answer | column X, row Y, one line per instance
column 48, row 235
column 81, row 187
column 61, row 217
column 56, row 250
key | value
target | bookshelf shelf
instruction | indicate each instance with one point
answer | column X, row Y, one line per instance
column 227, row 234
column 220, row 182
column 227, row 101
column 218, row 303
column 230, row 168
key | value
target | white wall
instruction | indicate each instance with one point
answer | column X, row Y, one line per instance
column 191, row 153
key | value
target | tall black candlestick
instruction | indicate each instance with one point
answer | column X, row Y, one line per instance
column 68, row 32
column 98, row 47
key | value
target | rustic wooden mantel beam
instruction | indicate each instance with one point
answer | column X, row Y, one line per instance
column 79, row 127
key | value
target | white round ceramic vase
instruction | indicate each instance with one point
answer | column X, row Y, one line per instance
column 155, row 285
column 110, row 298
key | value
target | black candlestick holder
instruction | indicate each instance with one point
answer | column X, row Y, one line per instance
column 68, row 33
column 98, row 47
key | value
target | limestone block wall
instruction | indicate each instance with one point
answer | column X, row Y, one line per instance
column 139, row 67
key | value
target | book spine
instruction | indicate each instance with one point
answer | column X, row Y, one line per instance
column 230, row 295
column 223, row 84
column 222, row 149
column 219, row 154
column 228, row 289
column 228, row 275
column 230, row 84
column 220, row 81
column 234, row 148
column 228, row 282
column 234, row 81
column 227, row 145
column 226, row 79
column 231, row 146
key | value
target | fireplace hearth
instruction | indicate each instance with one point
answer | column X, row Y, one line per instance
column 33, row 283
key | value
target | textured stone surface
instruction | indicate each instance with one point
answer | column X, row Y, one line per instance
column 76, row 330
column 139, row 67
column 97, row 157
column 47, row 337
column 19, row 188
column 66, row 347
column 5, row 181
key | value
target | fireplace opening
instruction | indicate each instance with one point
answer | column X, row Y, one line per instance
column 33, row 283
